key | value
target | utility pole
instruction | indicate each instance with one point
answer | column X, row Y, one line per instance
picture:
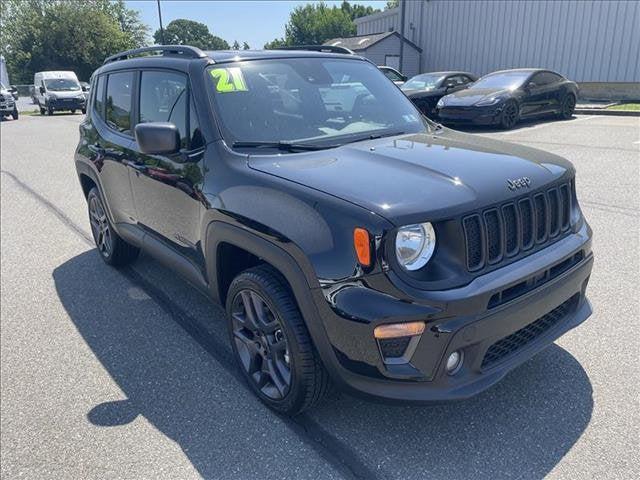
column 402, row 5
column 162, row 30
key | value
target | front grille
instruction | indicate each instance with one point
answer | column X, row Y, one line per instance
column 497, row 233
column 514, row 342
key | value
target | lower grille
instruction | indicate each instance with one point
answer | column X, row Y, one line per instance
column 514, row 342
column 394, row 347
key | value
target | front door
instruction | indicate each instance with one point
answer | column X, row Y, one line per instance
column 167, row 189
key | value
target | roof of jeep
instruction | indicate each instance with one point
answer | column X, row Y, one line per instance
column 221, row 56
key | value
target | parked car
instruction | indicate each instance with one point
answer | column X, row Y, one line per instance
column 85, row 89
column 426, row 89
column 58, row 91
column 392, row 74
column 504, row 98
column 7, row 103
column 350, row 239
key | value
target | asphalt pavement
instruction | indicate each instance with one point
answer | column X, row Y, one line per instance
column 127, row 373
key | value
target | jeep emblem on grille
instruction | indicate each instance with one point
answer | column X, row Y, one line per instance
column 522, row 182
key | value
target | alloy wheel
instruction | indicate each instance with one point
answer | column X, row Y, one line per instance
column 100, row 226
column 509, row 115
column 568, row 106
column 261, row 344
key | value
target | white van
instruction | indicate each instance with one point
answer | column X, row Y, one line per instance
column 56, row 91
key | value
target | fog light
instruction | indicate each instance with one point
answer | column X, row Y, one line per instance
column 454, row 362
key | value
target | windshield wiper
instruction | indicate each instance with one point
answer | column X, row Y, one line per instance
column 374, row 136
column 286, row 146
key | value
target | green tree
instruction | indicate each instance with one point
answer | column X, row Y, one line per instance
column 187, row 32
column 73, row 35
column 236, row 45
column 245, row 46
column 314, row 24
column 392, row 4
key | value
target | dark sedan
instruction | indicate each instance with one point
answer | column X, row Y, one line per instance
column 503, row 98
column 426, row 89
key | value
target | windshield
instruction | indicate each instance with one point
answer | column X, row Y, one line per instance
column 62, row 85
column 504, row 80
column 324, row 101
column 423, row 82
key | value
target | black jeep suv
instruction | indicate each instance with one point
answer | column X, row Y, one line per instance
column 352, row 241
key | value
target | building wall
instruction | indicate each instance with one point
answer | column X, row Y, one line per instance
column 587, row 41
column 391, row 46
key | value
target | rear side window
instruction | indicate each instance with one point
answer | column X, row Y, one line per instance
column 118, row 105
column 546, row 78
column 98, row 99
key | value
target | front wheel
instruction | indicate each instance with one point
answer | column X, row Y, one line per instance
column 84, row 111
column 271, row 343
column 73, row 111
column 50, row 111
column 510, row 115
column 113, row 249
column 567, row 106
column 15, row 114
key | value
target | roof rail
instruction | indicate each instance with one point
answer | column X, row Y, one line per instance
column 319, row 48
column 165, row 50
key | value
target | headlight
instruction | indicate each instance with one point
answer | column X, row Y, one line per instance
column 80, row 97
column 415, row 245
column 489, row 101
column 52, row 97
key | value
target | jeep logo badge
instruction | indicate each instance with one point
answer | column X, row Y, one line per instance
column 522, row 182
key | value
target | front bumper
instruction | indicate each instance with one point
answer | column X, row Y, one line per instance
column 67, row 103
column 470, row 115
column 7, row 106
column 494, row 340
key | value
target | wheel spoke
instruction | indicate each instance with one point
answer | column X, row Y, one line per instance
column 276, row 379
column 250, row 314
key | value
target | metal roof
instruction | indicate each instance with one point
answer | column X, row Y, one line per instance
column 362, row 42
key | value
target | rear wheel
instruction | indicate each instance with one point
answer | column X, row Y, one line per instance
column 567, row 106
column 15, row 114
column 84, row 111
column 42, row 109
column 271, row 343
column 50, row 111
column 510, row 115
column 112, row 248
column 73, row 111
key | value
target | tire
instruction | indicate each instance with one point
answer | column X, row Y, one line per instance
column 510, row 115
column 15, row 114
column 567, row 106
column 42, row 109
column 73, row 112
column 113, row 249
column 50, row 111
column 84, row 111
column 289, row 379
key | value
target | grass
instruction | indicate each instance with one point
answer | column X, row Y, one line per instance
column 626, row 106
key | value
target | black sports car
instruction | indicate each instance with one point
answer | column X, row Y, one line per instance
column 426, row 89
column 503, row 98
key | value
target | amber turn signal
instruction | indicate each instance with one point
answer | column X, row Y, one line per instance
column 362, row 246
column 394, row 330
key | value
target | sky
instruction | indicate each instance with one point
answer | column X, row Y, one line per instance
column 254, row 22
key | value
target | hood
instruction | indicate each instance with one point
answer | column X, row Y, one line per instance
column 66, row 93
column 419, row 177
column 471, row 96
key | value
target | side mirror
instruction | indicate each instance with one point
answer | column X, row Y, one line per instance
column 42, row 90
column 84, row 89
column 13, row 89
column 157, row 138
column 404, row 78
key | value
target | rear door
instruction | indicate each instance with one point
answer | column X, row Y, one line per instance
column 168, row 188
column 110, row 143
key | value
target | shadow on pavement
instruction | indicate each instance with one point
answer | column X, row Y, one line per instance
column 520, row 428
column 522, row 124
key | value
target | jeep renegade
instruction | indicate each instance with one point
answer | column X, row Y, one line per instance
column 352, row 241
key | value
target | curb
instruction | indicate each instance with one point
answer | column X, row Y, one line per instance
column 615, row 113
